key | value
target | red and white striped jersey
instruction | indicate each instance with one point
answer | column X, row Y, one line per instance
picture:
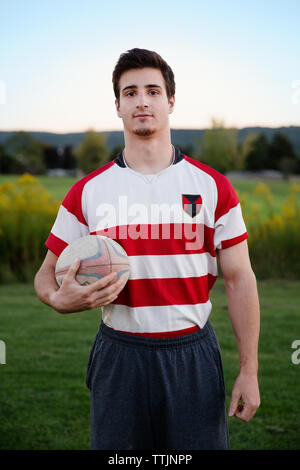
column 170, row 224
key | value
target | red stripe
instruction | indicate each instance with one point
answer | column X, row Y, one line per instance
column 227, row 198
column 72, row 201
column 55, row 244
column 234, row 241
column 165, row 334
column 162, row 239
column 166, row 291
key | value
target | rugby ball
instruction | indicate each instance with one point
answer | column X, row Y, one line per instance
column 99, row 256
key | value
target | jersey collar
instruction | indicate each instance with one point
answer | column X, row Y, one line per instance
column 178, row 156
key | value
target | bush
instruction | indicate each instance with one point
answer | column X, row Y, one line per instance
column 27, row 213
column 274, row 241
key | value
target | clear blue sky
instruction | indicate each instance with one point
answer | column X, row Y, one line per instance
column 233, row 60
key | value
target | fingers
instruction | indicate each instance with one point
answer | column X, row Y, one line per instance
column 98, row 294
column 108, row 294
column 234, row 403
column 245, row 398
column 101, row 296
column 71, row 274
column 244, row 410
column 103, row 282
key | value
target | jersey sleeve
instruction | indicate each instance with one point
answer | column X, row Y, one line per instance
column 229, row 228
column 70, row 223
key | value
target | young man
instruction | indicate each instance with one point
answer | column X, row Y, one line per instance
column 155, row 371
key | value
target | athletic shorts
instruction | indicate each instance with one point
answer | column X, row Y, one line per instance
column 157, row 394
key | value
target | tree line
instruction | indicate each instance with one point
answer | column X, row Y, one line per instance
column 218, row 148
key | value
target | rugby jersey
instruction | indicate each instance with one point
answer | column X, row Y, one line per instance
column 170, row 224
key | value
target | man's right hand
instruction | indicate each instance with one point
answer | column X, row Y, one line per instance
column 73, row 297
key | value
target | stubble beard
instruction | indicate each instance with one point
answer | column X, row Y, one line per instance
column 144, row 132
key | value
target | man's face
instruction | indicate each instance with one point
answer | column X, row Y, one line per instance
column 144, row 106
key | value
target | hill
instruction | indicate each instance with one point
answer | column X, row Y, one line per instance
column 181, row 137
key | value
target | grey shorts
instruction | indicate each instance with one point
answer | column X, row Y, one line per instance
column 151, row 394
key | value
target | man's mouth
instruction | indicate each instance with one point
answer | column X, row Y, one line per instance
column 142, row 115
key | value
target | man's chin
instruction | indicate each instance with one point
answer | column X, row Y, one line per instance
column 144, row 132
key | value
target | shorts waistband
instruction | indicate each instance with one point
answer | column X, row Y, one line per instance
column 142, row 341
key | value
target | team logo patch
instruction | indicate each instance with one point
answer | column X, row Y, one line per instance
column 192, row 204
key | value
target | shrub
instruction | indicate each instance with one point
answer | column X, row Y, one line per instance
column 274, row 241
column 27, row 213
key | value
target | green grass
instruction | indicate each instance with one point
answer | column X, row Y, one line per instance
column 57, row 186
column 278, row 187
column 44, row 403
column 279, row 190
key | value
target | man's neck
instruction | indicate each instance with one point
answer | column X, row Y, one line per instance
column 148, row 155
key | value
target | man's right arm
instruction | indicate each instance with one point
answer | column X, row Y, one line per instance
column 71, row 296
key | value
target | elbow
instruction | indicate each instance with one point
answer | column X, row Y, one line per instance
column 240, row 276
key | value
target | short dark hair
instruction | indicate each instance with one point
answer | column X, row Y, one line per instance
column 139, row 59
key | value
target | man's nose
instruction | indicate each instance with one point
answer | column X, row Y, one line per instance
column 142, row 101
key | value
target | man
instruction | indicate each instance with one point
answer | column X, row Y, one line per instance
column 155, row 371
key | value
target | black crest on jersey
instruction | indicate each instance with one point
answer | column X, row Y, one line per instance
column 192, row 204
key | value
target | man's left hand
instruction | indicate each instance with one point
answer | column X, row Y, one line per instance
column 245, row 397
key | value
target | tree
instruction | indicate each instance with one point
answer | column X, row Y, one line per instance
column 187, row 149
column 92, row 152
column 26, row 152
column 115, row 151
column 280, row 147
column 287, row 166
column 69, row 162
column 51, row 156
column 247, row 146
column 5, row 161
column 258, row 153
column 219, row 147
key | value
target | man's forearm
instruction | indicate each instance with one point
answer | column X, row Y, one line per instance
column 244, row 313
column 45, row 285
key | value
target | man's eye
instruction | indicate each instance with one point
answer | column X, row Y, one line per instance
column 153, row 92
column 130, row 93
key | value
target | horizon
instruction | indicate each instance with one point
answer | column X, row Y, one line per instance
column 121, row 130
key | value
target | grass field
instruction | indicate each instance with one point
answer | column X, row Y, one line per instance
column 57, row 186
column 44, row 403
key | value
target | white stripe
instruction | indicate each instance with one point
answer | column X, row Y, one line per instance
column 156, row 319
column 172, row 266
column 67, row 227
column 229, row 226
column 120, row 197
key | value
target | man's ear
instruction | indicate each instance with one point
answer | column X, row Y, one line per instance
column 117, row 107
column 171, row 104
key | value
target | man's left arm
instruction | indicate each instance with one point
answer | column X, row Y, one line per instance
column 243, row 305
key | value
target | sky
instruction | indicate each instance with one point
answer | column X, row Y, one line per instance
column 233, row 60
